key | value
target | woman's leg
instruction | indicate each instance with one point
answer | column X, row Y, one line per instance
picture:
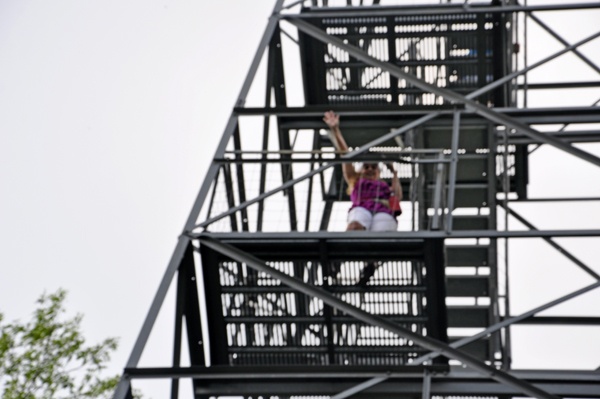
column 359, row 219
column 355, row 226
column 381, row 222
column 384, row 222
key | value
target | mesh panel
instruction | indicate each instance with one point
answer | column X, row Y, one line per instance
column 453, row 51
column 267, row 323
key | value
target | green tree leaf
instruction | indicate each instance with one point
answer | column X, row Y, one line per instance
column 46, row 358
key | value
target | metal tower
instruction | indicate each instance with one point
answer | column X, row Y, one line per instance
column 439, row 89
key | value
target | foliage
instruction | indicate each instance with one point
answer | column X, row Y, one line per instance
column 46, row 358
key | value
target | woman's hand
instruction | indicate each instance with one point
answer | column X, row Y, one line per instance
column 332, row 120
column 396, row 185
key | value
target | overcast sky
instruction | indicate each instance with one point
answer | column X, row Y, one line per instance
column 109, row 114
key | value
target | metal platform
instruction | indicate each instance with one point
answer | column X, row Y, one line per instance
column 262, row 322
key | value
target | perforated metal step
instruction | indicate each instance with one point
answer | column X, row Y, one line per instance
column 470, row 169
column 468, row 316
column 467, row 195
column 467, row 286
column 471, row 138
column 467, row 255
column 470, row 222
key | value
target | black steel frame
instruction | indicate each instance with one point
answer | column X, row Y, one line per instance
column 343, row 382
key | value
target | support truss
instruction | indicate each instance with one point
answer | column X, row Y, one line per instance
column 264, row 287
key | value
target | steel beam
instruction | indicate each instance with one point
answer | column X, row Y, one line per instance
column 161, row 293
column 295, row 3
column 423, row 151
column 360, row 387
column 453, row 167
column 437, row 9
column 437, row 194
column 327, row 380
column 388, row 389
column 309, row 197
column 240, row 178
column 376, row 158
column 452, row 373
column 426, row 385
column 513, row 75
column 179, row 305
column 564, row 42
column 420, row 234
column 510, row 321
column 571, row 136
column 265, row 139
column 424, row 341
column 454, row 97
column 315, row 372
column 558, row 199
column 283, row 134
column 562, row 321
column 230, row 196
column 558, row 85
column 326, row 216
column 317, row 111
column 311, row 115
column 556, row 246
column 124, row 384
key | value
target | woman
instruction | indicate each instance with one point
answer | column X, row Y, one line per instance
column 372, row 199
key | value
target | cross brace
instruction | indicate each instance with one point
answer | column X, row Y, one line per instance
column 331, row 300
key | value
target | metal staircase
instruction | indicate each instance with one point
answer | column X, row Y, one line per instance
column 472, row 272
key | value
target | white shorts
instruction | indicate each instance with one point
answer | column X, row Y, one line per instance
column 381, row 221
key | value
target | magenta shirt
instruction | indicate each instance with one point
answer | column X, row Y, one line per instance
column 365, row 191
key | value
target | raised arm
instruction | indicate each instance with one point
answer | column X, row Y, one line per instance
column 333, row 121
column 396, row 185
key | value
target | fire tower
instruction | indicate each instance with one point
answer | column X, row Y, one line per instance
column 269, row 288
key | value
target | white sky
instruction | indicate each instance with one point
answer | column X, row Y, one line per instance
column 109, row 114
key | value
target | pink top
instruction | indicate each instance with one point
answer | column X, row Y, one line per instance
column 366, row 192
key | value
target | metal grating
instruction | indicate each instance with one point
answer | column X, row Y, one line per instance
column 452, row 51
column 268, row 323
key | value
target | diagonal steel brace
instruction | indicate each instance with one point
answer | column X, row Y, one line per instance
column 375, row 320
column 564, row 42
column 359, row 388
column 556, row 246
column 509, row 321
column 513, row 75
column 349, row 155
column 453, row 97
column 124, row 385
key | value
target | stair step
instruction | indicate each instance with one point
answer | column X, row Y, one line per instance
column 470, row 197
column 467, row 255
column 470, row 137
column 466, row 195
column 472, row 169
column 468, row 316
column 467, row 286
column 471, row 222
